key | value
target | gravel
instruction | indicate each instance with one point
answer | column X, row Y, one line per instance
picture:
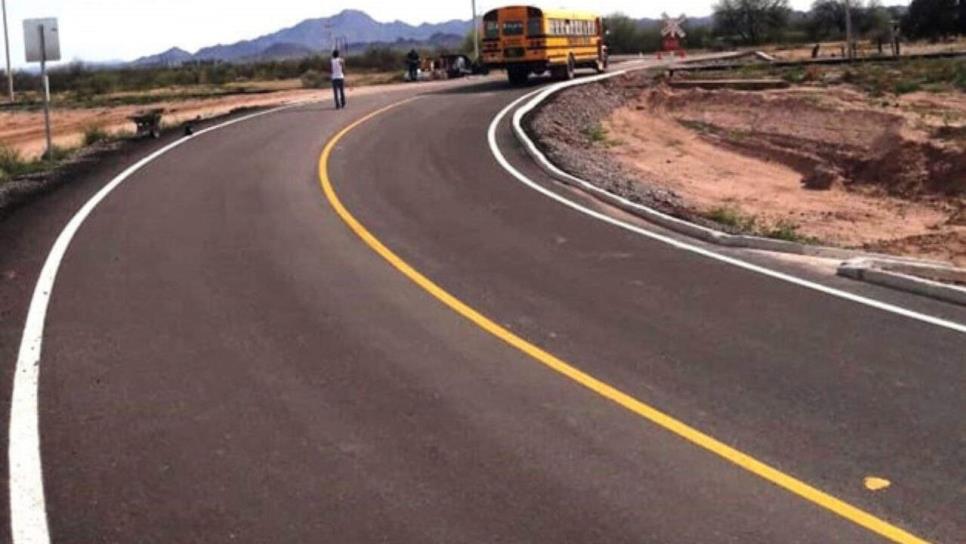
column 568, row 130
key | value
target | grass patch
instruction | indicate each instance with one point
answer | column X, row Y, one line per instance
column 905, row 87
column 598, row 134
column 749, row 224
column 732, row 217
column 698, row 126
column 787, row 231
column 13, row 164
column 935, row 75
column 875, row 78
column 95, row 134
column 57, row 154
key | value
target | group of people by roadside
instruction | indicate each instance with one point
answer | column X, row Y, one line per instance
column 338, row 74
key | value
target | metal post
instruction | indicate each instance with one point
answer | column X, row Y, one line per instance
column 6, row 43
column 848, row 30
column 46, row 83
column 476, row 35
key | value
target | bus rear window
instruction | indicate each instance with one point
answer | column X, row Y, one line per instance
column 513, row 28
column 492, row 29
column 534, row 27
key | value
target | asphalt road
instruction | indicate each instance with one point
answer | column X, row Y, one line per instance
column 225, row 361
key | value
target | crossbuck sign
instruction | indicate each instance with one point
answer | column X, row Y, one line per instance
column 673, row 27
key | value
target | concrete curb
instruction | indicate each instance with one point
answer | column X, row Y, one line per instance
column 909, row 278
column 667, row 221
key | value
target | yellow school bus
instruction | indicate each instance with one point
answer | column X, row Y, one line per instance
column 526, row 40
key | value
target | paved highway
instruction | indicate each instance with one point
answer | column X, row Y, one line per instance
column 401, row 342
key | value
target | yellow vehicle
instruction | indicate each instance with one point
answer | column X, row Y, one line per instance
column 526, row 40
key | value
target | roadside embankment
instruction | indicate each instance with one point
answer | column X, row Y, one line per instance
column 829, row 164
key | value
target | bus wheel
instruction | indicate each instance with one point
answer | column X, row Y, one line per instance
column 517, row 76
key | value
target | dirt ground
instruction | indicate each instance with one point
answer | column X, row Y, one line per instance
column 865, row 48
column 830, row 164
column 24, row 130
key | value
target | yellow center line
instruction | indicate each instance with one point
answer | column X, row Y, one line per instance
column 702, row 440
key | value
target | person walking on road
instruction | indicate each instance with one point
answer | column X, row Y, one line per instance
column 412, row 60
column 338, row 79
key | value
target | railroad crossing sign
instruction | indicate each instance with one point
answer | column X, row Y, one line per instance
column 673, row 27
column 673, row 32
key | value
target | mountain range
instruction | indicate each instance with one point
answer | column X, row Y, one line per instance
column 350, row 26
column 316, row 35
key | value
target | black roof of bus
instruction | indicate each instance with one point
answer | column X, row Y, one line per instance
column 531, row 12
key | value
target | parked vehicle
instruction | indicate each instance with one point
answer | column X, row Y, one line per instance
column 528, row 40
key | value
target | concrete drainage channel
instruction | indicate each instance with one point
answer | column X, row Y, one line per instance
column 933, row 279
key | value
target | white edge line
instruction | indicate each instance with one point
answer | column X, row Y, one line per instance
column 28, row 512
column 544, row 93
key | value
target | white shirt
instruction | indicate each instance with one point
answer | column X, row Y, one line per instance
column 337, row 68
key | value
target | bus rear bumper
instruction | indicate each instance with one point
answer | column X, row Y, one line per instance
column 533, row 67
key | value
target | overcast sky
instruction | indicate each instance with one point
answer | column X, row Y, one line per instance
column 97, row 30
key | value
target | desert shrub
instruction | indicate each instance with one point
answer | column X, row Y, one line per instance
column 379, row 58
column 795, row 75
column 732, row 217
column 58, row 153
column 94, row 134
column 13, row 164
column 596, row 133
column 787, row 231
column 905, row 87
column 10, row 163
column 312, row 79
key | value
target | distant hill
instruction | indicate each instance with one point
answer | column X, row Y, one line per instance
column 171, row 57
column 282, row 51
column 315, row 36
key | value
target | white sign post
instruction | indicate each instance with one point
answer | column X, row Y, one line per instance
column 42, row 42
column 6, row 46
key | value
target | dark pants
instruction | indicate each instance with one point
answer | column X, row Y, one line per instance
column 338, row 89
column 413, row 71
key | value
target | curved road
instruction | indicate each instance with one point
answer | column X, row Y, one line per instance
column 225, row 360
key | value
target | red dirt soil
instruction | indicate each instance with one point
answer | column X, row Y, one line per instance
column 839, row 166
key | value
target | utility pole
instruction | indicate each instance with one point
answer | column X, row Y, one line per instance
column 476, row 35
column 849, row 43
column 6, row 43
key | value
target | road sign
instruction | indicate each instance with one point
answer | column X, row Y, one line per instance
column 42, row 40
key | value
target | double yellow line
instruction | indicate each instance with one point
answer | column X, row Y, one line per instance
column 704, row 441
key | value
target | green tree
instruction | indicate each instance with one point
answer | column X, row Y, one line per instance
column 751, row 21
column 876, row 20
column 931, row 19
column 827, row 19
column 624, row 34
column 467, row 46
